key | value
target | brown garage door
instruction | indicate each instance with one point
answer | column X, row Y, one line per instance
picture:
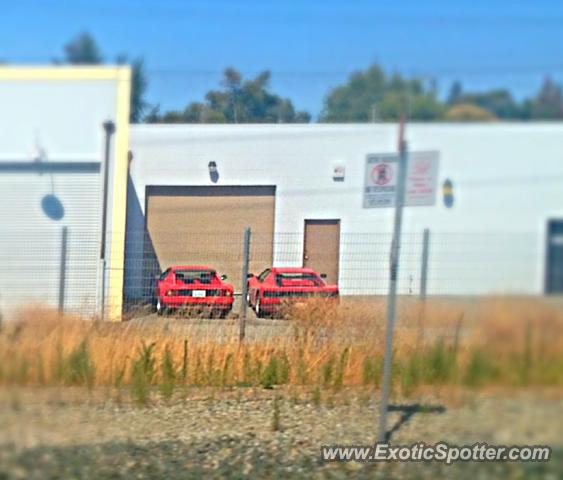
column 205, row 225
column 322, row 247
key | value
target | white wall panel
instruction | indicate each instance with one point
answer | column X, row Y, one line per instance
column 63, row 118
column 507, row 178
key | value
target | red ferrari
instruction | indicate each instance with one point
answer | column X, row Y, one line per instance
column 193, row 288
column 275, row 287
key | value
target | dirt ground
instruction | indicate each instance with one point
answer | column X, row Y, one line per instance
column 217, row 433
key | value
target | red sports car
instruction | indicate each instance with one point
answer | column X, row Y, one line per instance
column 193, row 288
column 274, row 287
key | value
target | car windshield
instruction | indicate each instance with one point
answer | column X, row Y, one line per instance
column 196, row 275
column 298, row 278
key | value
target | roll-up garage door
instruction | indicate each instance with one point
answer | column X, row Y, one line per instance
column 205, row 225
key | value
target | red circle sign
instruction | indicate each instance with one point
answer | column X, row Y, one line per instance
column 382, row 174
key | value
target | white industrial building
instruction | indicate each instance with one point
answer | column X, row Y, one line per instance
column 189, row 191
column 193, row 188
column 52, row 186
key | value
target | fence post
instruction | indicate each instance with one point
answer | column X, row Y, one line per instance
column 244, row 290
column 62, row 269
column 103, row 290
column 424, row 263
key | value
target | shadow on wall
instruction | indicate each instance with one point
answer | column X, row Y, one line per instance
column 141, row 262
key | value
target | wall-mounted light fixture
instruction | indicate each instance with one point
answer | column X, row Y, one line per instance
column 213, row 172
column 448, row 193
column 39, row 154
column 51, row 205
column 338, row 173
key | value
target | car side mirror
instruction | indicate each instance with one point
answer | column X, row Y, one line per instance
column 223, row 277
column 250, row 275
column 323, row 276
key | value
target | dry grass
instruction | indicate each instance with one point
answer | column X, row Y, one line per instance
column 508, row 341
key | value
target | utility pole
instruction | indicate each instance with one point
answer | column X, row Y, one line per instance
column 393, row 276
column 373, row 113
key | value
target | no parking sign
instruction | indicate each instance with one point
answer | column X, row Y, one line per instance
column 381, row 179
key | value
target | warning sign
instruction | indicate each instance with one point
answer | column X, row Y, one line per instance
column 381, row 178
column 382, row 174
column 379, row 188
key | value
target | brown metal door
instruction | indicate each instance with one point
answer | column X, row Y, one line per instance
column 322, row 247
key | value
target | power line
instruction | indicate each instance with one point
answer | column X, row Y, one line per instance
column 448, row 70
column 357, row 13
column 442, row 71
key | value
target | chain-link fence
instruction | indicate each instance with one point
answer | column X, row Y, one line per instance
column 458, row 264
column 68, row 273
column 59, row 268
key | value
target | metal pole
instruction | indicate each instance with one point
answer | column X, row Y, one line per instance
column 392, row 296
column 109, row 128
column 103, row 299
column 424, row 263
column 62, row 270
column 244, row 293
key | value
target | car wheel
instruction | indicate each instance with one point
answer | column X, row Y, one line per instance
column 257, row 309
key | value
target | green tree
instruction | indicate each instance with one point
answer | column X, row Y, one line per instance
column 372, row 94
column 467, row 112
column 499, row 102
column 197, row 112
column 548, row 104
column 83, row 50
column 153, row 115
column 455, row 92
column 139, row 85
column 239, row 101
column 172, row 116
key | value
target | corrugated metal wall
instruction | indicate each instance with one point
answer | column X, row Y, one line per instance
column 31, row 242
column 51, row 180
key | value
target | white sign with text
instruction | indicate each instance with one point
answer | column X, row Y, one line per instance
column 381, row 179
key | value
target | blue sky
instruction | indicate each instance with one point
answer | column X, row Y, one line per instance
column 310, row 46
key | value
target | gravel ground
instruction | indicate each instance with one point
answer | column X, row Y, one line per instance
column 206, row 433
column 219, row 330
column 258, row 329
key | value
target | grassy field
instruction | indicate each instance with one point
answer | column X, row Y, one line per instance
column 164, row 397
column 498, row 341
